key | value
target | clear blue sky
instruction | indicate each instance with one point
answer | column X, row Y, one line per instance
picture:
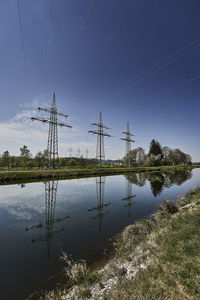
column 91, row 58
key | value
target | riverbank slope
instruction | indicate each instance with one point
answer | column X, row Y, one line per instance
column 156, row 258
column 13, row 176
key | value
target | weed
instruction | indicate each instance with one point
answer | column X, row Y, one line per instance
column 168, row 207
column 77, row 272
column 85, row 293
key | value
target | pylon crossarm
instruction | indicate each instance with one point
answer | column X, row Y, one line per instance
column 106, row 134
column 53, row 111
column 125, row 132
column 99, row 133
column 93, row 131
column 40, row 119
column 61, row 124
column 100, row 125
column 128, row 140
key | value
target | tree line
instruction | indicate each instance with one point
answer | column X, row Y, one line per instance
column 157, row 156
column 26, row 160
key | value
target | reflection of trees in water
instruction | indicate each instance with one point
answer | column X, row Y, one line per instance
column 160, row 180
column 180, row 176
column 157, row 182
column 100, row 186
column 136, row 178
column 129, row 197
column 48, row 226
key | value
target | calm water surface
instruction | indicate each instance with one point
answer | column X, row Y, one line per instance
column 40, row 220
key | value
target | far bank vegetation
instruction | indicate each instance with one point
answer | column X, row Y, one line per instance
column 157, row 156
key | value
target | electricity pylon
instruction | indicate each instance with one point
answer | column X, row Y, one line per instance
column 70, row 152
column 100, row 185
column 78, row 153
column 52, row 145
column 50, row 221
column 129, row 196
column 128, row 142
column 100, row 154
column 86, row 153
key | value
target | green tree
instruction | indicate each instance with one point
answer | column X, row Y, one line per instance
column 166, row 151
column 72, row 162
column 155, row 148
column 39, row 159
column 25, row 156
column 136, row 157
column 5, row 159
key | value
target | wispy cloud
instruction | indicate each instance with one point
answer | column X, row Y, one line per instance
column 21, row 130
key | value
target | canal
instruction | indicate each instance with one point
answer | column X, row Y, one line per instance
column 38, row 221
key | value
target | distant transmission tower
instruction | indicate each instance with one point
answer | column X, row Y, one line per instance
column 100, row 138
column 128, row 142
column 86, row 153
column 70, row 152
column 52, row 146
column 78, row 153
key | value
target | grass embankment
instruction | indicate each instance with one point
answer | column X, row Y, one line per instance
column 37, row 175
column 156, row 258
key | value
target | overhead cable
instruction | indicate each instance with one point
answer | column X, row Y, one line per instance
column 23, row 45
column 159, row 66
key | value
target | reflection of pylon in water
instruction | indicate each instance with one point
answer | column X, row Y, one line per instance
column 129, row 197
column 50, row 205
column 100, row 185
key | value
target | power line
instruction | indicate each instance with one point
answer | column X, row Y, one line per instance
column 49, row 27
column 170, row 135
column 47, row 41
column 159, row 66
column 168, row 89
column 23, row 45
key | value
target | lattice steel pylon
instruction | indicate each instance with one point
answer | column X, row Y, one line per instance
column 100, row 186
column 70, row 152
column 52, row 145
column 128, row 141
column 100, row 154
column 129, row 196
column 86, row 153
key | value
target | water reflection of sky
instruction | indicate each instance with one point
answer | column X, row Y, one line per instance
column 81, row 224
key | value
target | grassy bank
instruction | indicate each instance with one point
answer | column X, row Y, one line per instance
column 37, row 175
column 156, row 258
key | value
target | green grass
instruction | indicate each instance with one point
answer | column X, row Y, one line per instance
column 39, row 175
column 174, row 271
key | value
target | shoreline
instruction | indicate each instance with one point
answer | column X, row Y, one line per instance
column 25, row 176
column 150, row 255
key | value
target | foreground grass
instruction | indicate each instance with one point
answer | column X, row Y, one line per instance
column 37, row 175
column 156, row 258
column 174, row 268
